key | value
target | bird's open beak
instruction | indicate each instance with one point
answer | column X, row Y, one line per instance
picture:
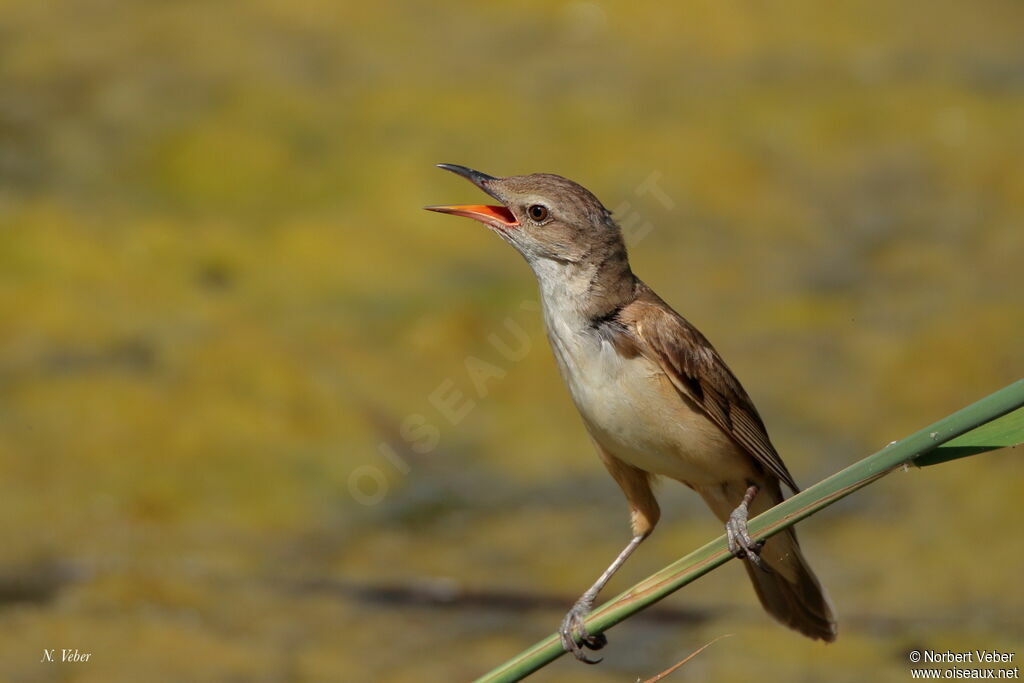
column 481, row 212
column 498, row 217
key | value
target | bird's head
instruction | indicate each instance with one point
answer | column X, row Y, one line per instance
column 544, row 216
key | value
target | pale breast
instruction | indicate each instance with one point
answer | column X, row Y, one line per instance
column 631, row 408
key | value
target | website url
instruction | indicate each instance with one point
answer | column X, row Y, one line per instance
column 944, row 674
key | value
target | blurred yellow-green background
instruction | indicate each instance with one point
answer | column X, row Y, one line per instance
column 226, row 325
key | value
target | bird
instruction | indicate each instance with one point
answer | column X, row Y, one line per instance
column 656, row 398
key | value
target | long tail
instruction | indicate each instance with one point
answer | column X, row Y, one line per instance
column 789, row 591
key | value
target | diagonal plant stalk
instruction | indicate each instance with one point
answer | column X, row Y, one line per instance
column 995, row 421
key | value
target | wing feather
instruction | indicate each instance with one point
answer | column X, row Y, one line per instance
column 697, row 371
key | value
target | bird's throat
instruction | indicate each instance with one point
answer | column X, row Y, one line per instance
column 577, row 295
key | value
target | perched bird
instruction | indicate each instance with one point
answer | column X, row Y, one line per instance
column 655, row 396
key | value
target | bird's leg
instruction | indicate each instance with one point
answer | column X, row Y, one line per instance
column 740, row 543
column 573, row 631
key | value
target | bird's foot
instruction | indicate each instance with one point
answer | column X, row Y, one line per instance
column 741, row 545
column 574, row 632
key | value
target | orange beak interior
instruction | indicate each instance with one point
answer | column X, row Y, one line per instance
column 480, row 212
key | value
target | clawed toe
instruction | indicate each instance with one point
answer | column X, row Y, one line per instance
column 741, row 545
column 575, row 637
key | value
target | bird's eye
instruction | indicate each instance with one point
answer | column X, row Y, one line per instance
column 538, row 212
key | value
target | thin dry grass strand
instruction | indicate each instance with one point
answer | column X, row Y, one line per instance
column 690, row 656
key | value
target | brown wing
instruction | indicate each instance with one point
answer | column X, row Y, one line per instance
column 698, row 372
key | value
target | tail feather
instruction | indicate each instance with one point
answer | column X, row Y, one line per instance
column 788, row 590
